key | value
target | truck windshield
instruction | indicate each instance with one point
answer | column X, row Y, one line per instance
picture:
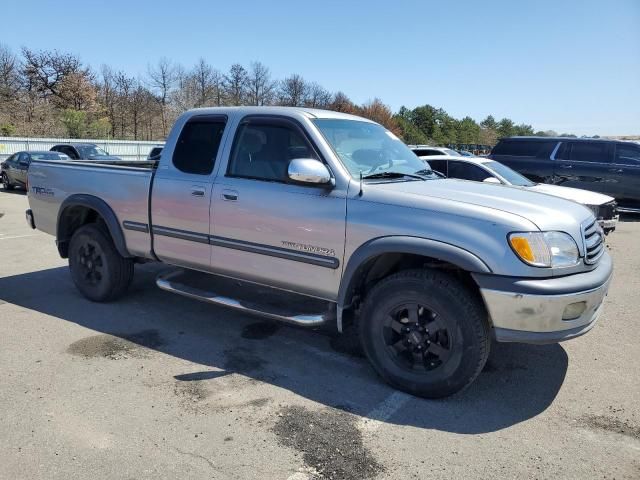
column 369, row 149
column 511, row 176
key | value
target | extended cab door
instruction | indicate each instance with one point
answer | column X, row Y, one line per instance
column 586, row 165
column 267, row 229
column 181, row 193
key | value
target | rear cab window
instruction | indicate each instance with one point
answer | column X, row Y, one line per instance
column 198, row 144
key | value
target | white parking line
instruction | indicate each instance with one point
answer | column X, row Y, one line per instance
column 299, row 476
column 379, row 415
column 15, row 236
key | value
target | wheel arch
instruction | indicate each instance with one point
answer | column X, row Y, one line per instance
column 380, row 256
column 80, row 209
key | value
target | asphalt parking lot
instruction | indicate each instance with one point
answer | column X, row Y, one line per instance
column 160, row 386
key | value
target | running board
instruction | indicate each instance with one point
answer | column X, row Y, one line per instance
column 248, row 297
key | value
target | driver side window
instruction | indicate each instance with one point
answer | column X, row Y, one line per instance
column 262, row 151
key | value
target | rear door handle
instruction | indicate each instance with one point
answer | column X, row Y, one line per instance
column 231, row 195
column 197, row 191
column 616, row 170
column 566, row 166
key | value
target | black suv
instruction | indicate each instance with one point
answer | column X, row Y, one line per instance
column 606, row 166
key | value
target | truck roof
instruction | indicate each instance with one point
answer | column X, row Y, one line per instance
column 287, row 111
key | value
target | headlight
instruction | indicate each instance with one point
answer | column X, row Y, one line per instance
column 545, row 249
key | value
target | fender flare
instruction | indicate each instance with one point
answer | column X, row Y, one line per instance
column 105, row 212
column 460, row 257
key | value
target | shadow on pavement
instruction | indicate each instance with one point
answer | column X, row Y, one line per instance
column 15, row 191
column 519, row 382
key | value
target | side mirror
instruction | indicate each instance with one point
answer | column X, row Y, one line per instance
column 24, row 163
column 492, row 180
column 309, row 170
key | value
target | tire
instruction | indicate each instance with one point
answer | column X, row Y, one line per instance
column 425, row 333
column 97, row 269
column 6, row 184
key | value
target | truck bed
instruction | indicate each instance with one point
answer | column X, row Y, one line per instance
column 123, row 185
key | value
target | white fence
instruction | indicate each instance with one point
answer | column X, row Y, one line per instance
column 125, row 149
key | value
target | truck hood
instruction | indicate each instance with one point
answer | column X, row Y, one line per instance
column 581, row 196
column 545, row 211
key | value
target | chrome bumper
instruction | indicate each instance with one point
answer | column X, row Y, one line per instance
column 533, row 313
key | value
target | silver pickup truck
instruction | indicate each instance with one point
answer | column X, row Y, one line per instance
column 314, row 217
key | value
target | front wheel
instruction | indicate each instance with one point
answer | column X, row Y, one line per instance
column 425, row 332
column 6, row 184
column 97, row 269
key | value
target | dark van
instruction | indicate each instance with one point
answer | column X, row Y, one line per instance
column 606, row 166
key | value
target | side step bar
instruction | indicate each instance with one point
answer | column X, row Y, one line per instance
column 276, row 305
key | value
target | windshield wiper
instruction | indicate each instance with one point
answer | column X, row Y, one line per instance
column 374, row 176
column 428, row 171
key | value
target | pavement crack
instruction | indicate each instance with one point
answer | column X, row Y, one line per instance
column 195, row 455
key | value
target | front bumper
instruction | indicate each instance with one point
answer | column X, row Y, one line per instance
column 531, row 310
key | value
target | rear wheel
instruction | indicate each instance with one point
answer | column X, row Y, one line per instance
column 6, row 184
column 97, row 269
column 425, row 332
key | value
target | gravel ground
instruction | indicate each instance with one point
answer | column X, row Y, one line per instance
column 161, row 387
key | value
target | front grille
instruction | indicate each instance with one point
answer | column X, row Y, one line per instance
column 593, row 242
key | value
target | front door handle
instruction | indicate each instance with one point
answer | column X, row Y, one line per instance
column 566, row 166
column 231, row 195
column 197, row 191
column 616, row 170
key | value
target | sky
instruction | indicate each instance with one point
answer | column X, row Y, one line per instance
column 567, row 65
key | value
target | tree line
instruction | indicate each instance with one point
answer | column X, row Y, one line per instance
column 47, row 93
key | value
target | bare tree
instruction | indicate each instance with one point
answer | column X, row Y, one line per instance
column 163, row 77
column 318, row 96
column 47, row 69
column 342, row 103
column 235, row 85
column 261, row 87
column 108, row 96
column 293, row 91
column 9, row 74
column 203, row 80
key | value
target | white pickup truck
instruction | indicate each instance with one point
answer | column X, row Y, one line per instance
column 326, row 218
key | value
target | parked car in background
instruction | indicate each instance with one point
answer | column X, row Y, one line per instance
column 428, row 151
column 481, row 169
column 154, row 154
column 314, row 218
column 83, row 151
column 465, row 153
column 610, row 167
column 14, row 169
